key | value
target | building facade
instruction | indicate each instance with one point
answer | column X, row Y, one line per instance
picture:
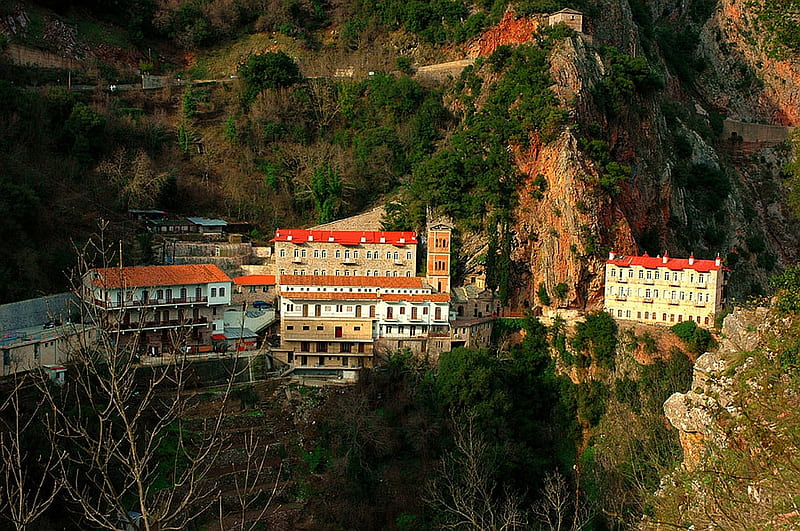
column 438, row 259
column 664, row 290
column 160, row 308
column 570, row 17
column 345, row 253
column 249, row 289
column 334, row 325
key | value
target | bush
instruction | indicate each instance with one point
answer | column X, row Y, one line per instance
column 597, row 336
column 269, row 71
column 544, row 298
column 696, row 339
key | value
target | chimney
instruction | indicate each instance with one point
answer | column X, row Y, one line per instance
column 665, row 258
column 691, row 259
column 718, row 260
column 611, row 255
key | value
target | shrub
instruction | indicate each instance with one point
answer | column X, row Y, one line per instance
column 544, row 298
column 268, row 71
column 597, row 336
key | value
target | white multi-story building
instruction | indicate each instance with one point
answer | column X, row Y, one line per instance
column 160, row 307
column 332, row 325
column 664, row 290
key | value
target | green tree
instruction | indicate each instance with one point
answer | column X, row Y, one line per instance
column 269, row 71
column 326, row 191
column 596, row 338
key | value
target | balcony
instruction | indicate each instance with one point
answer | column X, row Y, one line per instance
column 701, row 285
column 675, row 283
column 138, row 303
column 673, row 302
column 648, row 300
column 622, row 280
column 348, row 261
column 621, row 297
column 157, row 325
column 297, row 260
column 398, row 262
column 698, row 304
column 648, row 281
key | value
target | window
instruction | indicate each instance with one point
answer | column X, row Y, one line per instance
column 438, row 314
column 413, row 312
column 641, row 273
column 252, row 289
column 283, row 253
column 356, row 328
column 213, row 292
column 388, row 255
column 297, row 253
column 395, row 274
column 658, row 275
column 289, row 327
column 320, row 327
column 337, row 272
column 316, row 253
column 613, row 272
column 183, row 293
column 347, row 254
column 390, row 313
column 303, row 253
column 388, row 273
column 402, row 310
column 408, row 256
column 408, row 273
column 347, row 272
column 324, row 253
column 369, row 254
column 306, row 327
column 290, row 307
column 338, row 253
column 337, row 331
column 701, row 279
column 221, row 292
column 396, row 255
column 649, row 275
column 316, row 272
column 691, row 277
column 369, row 272
column 339, row 308
column 630, row 273
column 355, row 254
column 160, row 294
column 375, row 273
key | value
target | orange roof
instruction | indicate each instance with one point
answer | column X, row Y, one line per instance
column 328, row 295
column 676, row 264
column 166, row 275
column 346, row 237
column 255, row 280
column 416, row 297
column 331, row 280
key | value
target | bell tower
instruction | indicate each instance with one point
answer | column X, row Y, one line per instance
column 438, row 271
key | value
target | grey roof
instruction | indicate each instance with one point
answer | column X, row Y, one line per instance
column 239, row 333
column 209, row 222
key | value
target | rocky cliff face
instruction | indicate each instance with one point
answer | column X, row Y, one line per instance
column 739, row 429
column 693, row 413
column 671, row 141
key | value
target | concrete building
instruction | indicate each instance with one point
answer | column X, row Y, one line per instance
column 570, row 17
column 159, row 308
column 249, row 289
column 334, row 325
column 39, row 332
column 345, row 253
column 664, row 290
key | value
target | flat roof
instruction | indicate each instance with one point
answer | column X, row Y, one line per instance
column 209, row 222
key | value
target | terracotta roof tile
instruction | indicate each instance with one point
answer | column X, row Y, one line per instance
column 417, row 297
column 328, row 295
column 346, row 237
column 676, row 264
column 332, row 280
column 255, row 280
column 166, row 275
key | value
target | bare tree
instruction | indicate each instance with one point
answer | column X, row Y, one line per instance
column 27, row 488
column 464, row 489
column 126, row 450
column 559, row 507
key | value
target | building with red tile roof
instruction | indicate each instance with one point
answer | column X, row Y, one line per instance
column 333, row 325
column 665, row 290
column 345, row 252
column 160, row 308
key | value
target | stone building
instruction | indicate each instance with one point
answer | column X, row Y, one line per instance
column 570, row 17
column 249, row 289
column 345, row 253
column 664, row 290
